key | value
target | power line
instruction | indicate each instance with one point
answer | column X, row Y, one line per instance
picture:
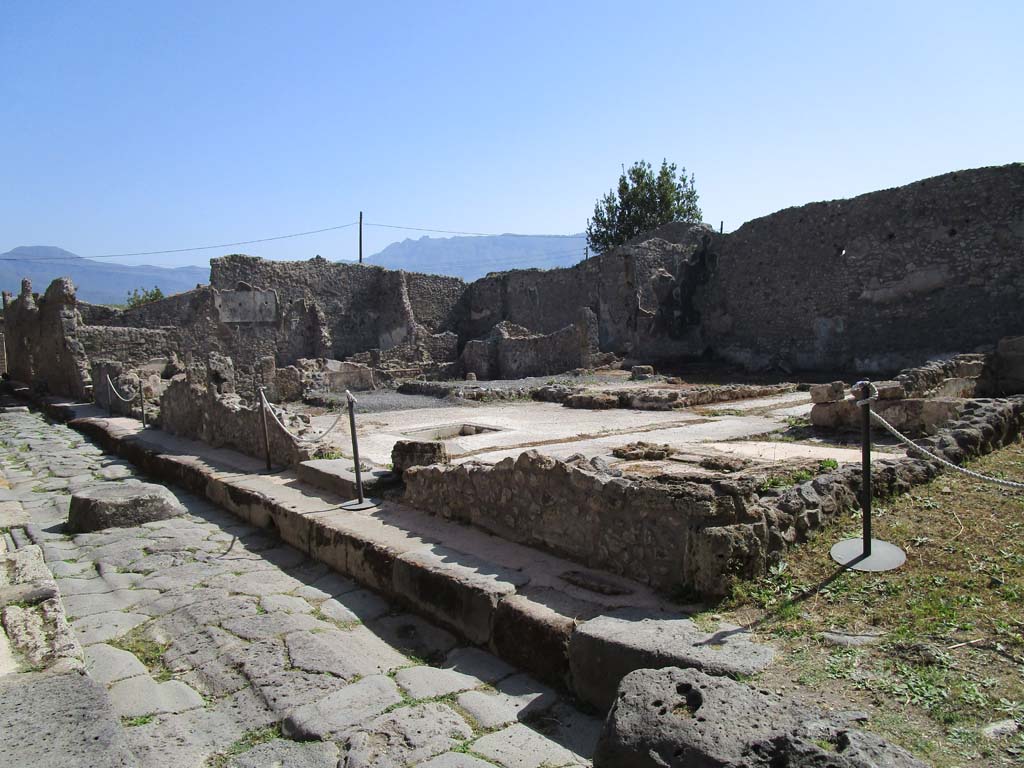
column 438, row 231
column 186, row 250
column 276, row 237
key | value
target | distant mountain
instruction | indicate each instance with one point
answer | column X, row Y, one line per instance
column 473, row 257
column 98, row 282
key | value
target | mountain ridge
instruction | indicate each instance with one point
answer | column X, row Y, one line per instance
column 96, row 282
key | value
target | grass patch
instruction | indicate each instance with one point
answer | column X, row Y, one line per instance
column 146, row 650
column 795, row 477
column 951, row 655
column 134, row 722
column 247, row 741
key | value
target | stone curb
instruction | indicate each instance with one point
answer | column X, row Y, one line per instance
column 477, row 600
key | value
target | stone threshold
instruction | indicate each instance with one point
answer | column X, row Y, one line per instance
column 574, row 627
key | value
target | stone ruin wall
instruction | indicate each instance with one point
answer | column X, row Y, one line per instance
column 367, row 307
column 874, row 283
column 43, row 348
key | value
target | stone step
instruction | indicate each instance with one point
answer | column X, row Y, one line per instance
column 338, row 477
column 529, row 607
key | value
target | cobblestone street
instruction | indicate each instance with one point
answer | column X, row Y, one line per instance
column 221, row 646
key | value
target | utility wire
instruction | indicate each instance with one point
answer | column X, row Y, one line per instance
column 185, row 250
column 285, row 237
column 440, row 231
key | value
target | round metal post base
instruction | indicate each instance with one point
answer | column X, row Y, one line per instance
column 355, row 505
column 884, row 556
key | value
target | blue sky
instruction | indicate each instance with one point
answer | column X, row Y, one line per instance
column 147, row 126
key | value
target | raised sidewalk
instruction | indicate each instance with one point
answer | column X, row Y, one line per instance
column 569, row 625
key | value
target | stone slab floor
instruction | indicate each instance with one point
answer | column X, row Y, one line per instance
column 221, row 646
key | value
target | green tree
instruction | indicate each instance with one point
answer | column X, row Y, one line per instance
column 642, row 202
column 141, row 296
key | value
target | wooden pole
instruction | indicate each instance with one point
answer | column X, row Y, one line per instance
column 360, row 237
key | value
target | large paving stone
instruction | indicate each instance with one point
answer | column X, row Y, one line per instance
column 406, row 736
column 351, row 706
column 519, row 697
column 281, row 752
column 121, row 505
column 412, row 635
column 103, row 627
column 682, row 717
column 106, row 664
column 356, row 652
column 520, row 747
column 144, row 696
column 480, row 664
column 267, row 625
column 79, row 606
column 455, row 760
column 604, row 650
column 59, row 721
column 429, row 682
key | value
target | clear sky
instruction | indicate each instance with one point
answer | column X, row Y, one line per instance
column 133, row 126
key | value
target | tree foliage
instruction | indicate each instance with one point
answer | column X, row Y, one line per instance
column 642, row 202
column 140, row 296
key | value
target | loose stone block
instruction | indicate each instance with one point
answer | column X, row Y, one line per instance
column 121, row 505
column 641, row 372
column 417, row 453
column 660, row 715
column 828, row 393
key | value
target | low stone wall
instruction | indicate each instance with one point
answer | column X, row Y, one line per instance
column 668, row 533
column 673, row 534
column 658, row 399
column 225, row 420
column 984, row 426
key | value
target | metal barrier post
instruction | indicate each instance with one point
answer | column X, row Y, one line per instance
column 865, row 466
column 360, row 502
column 110, row 397
column 866, row 553
column 266, row 429
column 142, row 404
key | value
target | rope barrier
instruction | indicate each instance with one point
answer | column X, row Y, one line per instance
column 319, row 438
column 944, row 462
column 122, row 398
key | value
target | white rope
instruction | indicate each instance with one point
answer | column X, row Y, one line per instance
column 287, row 431
column 319, row 438
column 121, row 397
column 945, row 462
